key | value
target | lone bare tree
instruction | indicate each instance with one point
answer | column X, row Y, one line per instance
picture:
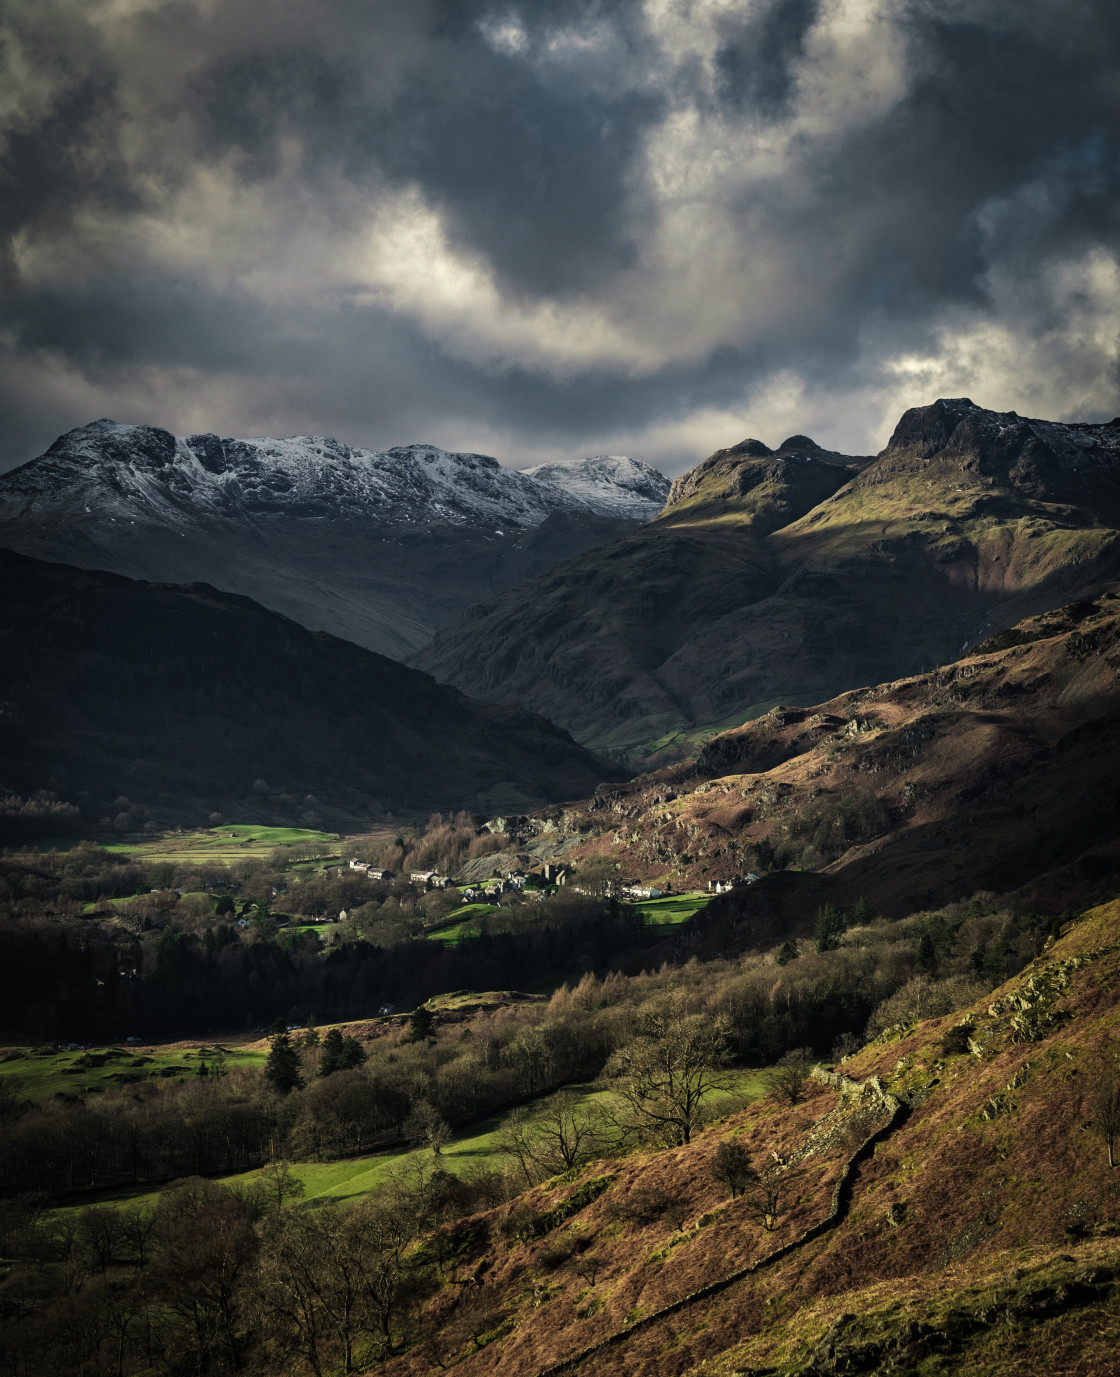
column 731, row 1167
column 787, row 1079
column 565, row 1132
column 280, row 1184
column 669, row 1069
column 768, row 1194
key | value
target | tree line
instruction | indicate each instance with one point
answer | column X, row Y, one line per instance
column 458, row 1069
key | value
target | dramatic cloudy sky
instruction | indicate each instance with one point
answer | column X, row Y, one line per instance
column 555, row 227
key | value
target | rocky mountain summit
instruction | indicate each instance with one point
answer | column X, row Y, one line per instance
column 794, row 574
column 380, row 547
column 611, row 484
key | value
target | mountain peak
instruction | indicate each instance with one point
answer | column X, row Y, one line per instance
column 798, row 443
column 149, row 473
column 1016, row 459
column 758, row 485
column 754, row 449
column 929, row 427
column 610, row 484
column 378, row 546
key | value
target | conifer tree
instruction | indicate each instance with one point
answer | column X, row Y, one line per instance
column 830, row 927
column 351, row 1054
column 283, row 1065
column 332, row 1052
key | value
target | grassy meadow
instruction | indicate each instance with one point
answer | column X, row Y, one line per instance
column 673, row 909
column 668, row 912
column 231, row 842
column 45, row 1072
column 451, row 930
column 350, row 1178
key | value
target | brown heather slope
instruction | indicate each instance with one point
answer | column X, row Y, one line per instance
column 790, row 576
column 998, row 772
column 980, row 1234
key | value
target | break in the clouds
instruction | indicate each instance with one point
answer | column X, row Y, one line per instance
column 547, row 229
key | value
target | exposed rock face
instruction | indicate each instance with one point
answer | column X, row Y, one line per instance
column 380, row 547
column 185, row 699
column 791, row 575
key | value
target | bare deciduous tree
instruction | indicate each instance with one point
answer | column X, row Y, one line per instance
column 428, row 1128
column 564, row 1132
column 787, row 1079
column 280, row 1184
column 732, row 1168
column 668, row 1071
column 769, row 1194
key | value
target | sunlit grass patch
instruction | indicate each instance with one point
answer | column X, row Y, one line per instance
column 46, row 1072
column 451, row 929
column 232, row 841
column 673, row 909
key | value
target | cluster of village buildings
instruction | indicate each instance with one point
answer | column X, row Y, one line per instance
column 514, row 881
column 550, row 874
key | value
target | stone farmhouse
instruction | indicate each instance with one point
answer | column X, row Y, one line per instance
column 428, row 879
column 370, row 872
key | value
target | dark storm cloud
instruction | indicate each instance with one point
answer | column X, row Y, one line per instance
column 530, row 168
column 556, row 225
column 755, row 60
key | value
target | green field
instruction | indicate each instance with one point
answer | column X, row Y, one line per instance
column 674, row 909
column 658, row 913
column 357, row 1176
column 43, row 1072
column 234, row 841
column 451, row 929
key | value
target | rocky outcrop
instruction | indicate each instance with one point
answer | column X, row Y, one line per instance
column 845, row 1349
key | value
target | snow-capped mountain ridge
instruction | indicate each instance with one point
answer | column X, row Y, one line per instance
column 143, row 471
column 608, row 482
column 380, row 547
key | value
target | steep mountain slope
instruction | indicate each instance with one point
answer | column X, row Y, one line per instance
column 995, row 773
column 945, row 1206
column 788, row 576
column 378, row 547
column 184, row 700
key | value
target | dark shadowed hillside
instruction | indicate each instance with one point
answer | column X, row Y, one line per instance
column 791, row 576
column 186, row 700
